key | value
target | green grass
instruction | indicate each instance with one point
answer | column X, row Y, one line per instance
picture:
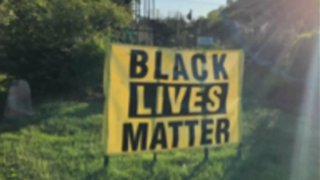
column 63, row 141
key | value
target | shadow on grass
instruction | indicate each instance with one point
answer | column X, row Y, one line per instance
column 92, row 109
column 98, row 174
column 57, row 110
column 196, row 170
column 111, row 171
column 267, row 152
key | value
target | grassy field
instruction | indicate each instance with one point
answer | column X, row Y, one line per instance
column 63, row 141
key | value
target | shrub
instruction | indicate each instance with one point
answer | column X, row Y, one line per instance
column 56, row 45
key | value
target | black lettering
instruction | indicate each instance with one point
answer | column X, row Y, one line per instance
column 158, row 74
column 159, row 137
column 138, row 68
column 218, row 66
column 222, row 129
column 204, row 73
column 175, row 132
column 149, row 99
column 206, row 132
column 191, row 125
column 179, row 68
column 134, row 140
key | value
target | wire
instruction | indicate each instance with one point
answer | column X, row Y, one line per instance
column 194, row 2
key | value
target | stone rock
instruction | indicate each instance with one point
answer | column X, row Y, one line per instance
column 19, row 102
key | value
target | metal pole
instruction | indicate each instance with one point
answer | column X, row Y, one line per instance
column 155, row 158
column 139, row 9
column 144, row 8
column 105, row 161
column 206, row 154
column 149, row 9
column 153, row 8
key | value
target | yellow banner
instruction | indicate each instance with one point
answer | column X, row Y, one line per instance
column 163, row 99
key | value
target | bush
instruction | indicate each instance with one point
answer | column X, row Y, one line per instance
column 57, row 46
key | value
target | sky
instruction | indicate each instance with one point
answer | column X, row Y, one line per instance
column 199, row 7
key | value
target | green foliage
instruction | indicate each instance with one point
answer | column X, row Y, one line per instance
column 2, row 79
column 49, row 42
column 6, row 15
column 214, row 16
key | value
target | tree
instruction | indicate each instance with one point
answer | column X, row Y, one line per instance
column 279, row 38
column 57, row 45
